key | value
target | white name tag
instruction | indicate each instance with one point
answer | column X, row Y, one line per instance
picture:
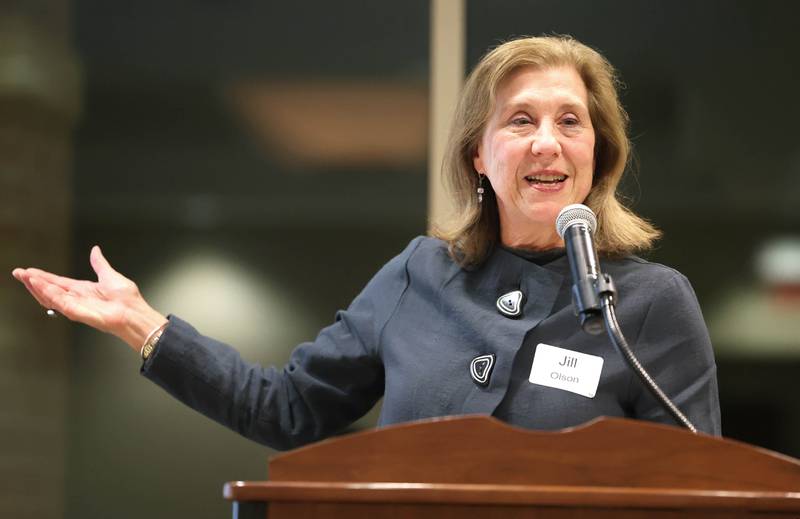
column 566, row 369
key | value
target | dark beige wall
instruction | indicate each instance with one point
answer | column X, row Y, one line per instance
column 38, row 109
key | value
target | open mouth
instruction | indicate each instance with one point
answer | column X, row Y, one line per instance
column 545, row 179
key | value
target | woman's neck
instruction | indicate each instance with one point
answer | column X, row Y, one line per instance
column 535, row 241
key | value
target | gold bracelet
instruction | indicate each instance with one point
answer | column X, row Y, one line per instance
column 151, row 341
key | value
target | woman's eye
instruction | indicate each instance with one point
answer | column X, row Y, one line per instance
column 520, row 121
column 570, row 121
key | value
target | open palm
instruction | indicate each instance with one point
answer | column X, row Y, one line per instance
column 111, row 304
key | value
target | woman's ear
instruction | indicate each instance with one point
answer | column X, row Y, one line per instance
column 477, row 161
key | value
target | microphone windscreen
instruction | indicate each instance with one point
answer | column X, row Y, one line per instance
column 573, row 214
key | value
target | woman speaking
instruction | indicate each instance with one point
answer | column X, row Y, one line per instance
column 477, row 319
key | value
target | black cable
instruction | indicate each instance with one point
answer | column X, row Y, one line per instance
column 615, row 334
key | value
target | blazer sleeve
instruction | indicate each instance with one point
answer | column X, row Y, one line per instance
column 674, row 347
column 326, row 385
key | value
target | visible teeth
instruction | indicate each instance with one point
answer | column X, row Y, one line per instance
column 546, row 178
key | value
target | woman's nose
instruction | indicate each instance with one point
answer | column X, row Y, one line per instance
column 545, row 142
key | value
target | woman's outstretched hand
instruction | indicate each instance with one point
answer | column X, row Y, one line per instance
column 112, row 304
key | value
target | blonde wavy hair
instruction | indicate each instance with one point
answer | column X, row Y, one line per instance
column 474, row 229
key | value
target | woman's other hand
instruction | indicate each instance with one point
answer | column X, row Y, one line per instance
column 112, row 304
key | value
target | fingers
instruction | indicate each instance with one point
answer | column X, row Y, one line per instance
column 25, row 280
column 100, row 265
column 40, row 288
column 61, row 281
column 44, row 279
column 53, row 296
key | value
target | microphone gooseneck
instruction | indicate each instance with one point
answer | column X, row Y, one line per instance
column 594, row 296
column 621, row 345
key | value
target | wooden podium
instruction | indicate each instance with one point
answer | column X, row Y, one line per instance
column 479, row 467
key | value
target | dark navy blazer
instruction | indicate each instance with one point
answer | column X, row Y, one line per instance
column 412, row 333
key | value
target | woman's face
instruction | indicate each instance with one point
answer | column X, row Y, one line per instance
column 537, row 151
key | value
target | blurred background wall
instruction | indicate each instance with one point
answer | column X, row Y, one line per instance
column 39, row 107
column 252, row 164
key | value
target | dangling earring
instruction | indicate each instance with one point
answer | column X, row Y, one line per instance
column 480, row 188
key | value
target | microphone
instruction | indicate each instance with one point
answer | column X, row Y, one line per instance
column 593, row 296
column 576, row 225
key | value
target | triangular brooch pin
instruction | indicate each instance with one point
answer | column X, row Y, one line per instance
column 481, row 368
column 510, row 304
